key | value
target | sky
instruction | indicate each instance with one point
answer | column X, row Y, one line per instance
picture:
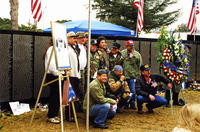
column 74, row 10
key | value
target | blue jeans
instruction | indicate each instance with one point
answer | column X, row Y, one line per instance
column 100, row 112
column 131, row 84
column 159, row 101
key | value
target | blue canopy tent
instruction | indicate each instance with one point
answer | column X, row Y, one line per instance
column 97, row 28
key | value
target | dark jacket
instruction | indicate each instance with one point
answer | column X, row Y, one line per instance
column 144, row 89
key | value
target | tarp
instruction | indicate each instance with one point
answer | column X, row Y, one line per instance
column 97, row 28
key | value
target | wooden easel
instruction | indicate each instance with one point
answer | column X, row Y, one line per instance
column 60, row 77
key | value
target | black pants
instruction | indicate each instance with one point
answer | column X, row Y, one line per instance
column 54, row 102
column 174, row 96
column 75, row 85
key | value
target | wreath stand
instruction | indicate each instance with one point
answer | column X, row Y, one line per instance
column 60, row 77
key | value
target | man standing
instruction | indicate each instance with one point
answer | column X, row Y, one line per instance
column 102, row 49
column 115, row 57
column 83, row 62
column 75, row 71
column 100, row 107
column 146, row 88
column 95, row 59
column 131, row 64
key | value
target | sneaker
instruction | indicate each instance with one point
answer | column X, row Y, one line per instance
column 150, row 110
column 54, row 120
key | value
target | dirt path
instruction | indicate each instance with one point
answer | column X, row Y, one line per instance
column 127, row 121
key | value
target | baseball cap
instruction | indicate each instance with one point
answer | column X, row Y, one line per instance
column 116, row 45
column 71, row 34
column 80, row 34
column 145, row 67
column 118, row 68
column 93, row 42
column 129, row 43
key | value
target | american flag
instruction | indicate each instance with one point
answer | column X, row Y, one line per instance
column 68, row 92
column 139, row 5
column 36, row 9
column 192, row 20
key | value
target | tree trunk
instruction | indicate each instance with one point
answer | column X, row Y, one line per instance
column 14, row 5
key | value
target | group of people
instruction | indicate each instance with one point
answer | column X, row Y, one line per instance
column 117, row 79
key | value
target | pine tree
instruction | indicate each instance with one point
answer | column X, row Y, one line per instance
column 122, row 12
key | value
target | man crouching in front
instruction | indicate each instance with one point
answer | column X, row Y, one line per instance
column 100, row 107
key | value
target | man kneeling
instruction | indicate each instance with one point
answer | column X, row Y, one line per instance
column 146, row 89
column 100, row 107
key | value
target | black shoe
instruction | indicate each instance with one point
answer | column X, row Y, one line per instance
column 91, row 120
column 140, row 111
column 100, row 126
column 150, row 110
column 71, row 120
column 118, row 110
column 133, row 107
column 167, row 105
column 178, row 104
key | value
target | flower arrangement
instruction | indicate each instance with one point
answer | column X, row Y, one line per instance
column 173, row 56
column 194, row 85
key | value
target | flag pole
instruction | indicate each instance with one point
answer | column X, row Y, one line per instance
column 195, row 20
column 137, row 25
column 88, row 66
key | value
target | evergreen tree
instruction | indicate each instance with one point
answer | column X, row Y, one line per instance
column 5, row 24
column 183, row 28
column 122, row 12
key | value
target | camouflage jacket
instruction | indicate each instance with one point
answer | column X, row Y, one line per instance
column 104, row 64
column 94, row 63
column 132, row 65
column 115, row 83
column 115, row 60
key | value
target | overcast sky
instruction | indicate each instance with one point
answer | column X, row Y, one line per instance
column 73, row 10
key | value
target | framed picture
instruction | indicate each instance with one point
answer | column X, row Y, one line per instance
column 59, row 35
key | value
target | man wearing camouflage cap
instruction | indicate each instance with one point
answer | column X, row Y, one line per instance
column 131, row 64
column 115, row 57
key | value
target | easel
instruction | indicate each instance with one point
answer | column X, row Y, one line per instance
column 60, row 77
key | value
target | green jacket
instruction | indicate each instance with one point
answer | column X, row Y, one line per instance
column 97, row 95
column 115, row 60
column 95, row 59
column 132, row 65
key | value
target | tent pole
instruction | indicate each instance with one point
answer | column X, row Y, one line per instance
column 88, row 66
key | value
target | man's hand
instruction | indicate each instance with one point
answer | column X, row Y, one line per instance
column 169, row 85
column 100, row 53
column 122, row 78
column 151, row 97
column 116, row 101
